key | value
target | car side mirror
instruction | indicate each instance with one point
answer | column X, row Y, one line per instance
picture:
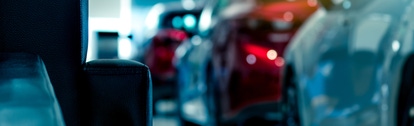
column 327, row 4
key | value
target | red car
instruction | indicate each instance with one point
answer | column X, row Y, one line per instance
column 171, row 23
column 160, row 55
column 247, row 56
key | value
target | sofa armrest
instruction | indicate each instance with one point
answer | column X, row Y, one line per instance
column 119, row 92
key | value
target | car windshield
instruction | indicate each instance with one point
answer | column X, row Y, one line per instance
column 215, row 8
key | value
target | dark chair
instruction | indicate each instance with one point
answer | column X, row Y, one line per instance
column 119, row 93
column 101, row 92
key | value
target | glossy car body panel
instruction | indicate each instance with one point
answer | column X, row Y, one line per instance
column 348, row 62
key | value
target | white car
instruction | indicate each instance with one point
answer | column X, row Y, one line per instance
column 352, row 63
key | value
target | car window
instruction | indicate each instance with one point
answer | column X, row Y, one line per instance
column 215, row 8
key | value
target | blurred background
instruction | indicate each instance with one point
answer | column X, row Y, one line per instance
column 213, row 62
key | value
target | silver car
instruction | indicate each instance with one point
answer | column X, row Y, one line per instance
column 352, row 63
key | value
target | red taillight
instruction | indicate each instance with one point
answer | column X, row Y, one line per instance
column 255, row 54
column 271, row 54
column 260, row 52
column 279, row 61
column 178, row 35
column 256, row 50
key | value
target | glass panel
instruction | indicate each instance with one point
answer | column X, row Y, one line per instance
column 26, row 94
